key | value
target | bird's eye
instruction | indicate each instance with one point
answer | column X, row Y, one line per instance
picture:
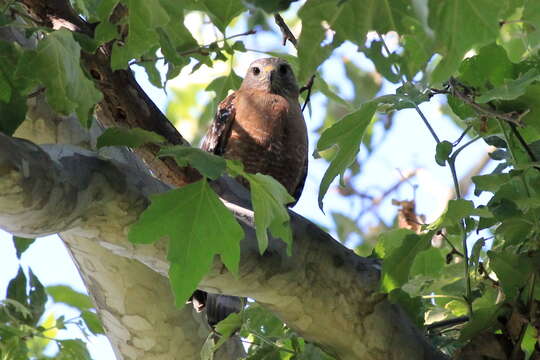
column 283, row 69
column 256, row 71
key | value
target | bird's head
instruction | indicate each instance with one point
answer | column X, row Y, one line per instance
column 271, row 74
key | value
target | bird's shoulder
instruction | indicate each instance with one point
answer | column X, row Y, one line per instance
column 215, row 139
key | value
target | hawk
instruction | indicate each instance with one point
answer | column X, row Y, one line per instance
column 261, row 124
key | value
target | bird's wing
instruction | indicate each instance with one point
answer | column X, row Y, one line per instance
column 300, row 186
column 215, row 140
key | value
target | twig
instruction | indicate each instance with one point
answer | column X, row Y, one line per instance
column 203, row 49
column 455, row 143
column 287, row 33
column 381, row 197
column 307, row 87
column 426, row 122
column 512, row 117
column 454, row 249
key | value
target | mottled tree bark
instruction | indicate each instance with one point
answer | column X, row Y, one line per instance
column 323, row 291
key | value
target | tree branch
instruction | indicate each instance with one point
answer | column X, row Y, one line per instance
column 321, row 283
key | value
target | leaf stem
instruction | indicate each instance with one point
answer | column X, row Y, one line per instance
column 426, row 122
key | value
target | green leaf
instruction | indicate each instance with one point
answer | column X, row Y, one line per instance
column 209, row 165
column 227, row 327
column 5, row 88
column 455, row 211
column 56, row 65
column 223, row 84
column 198, row 227
column 12, row 113
column 512, row 270
column 483, row 319
column 310, row 52
column 490, row 183
column 222, row 12
column 511, row 89
column 346, row 135
column 92, row 322
column 37, row 297
column 442, row 152
column 128, row 137
column 142, row 19
column 412, row 305
column 269, row 198
column 428, row 263
column 397, row 265
column 459, row 25
column 65, row 294
column 391, row 240
column 16, row 289
column 21, row 244
column 386, row 65
column 529, row 341
column 270, row 6
column 476, row 251
column 207, row 350
column 72, row 350
column 407, row 96
column 489, row 68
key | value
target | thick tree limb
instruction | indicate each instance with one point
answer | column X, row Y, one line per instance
column 324, row 291
column 129, row 296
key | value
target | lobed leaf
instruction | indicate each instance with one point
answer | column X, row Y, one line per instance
column 198, row 227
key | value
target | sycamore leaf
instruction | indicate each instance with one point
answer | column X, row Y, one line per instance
column 510, row 89
column 65, row 294
column 227, row 327
column 222, row 12
column 351, row 20
column 198, row 227
column 459, row 25
column 346, row 135
column 483, row 319
column 128, row 137
column 455, row 211
column 55, row 64
column 269, row 198
column 143, row 17
column 73, row 349
column 210, row 165
column 221, row 85
column 270, row 6
column 397, row 265
column 12, row 113
column 513, row 270
column 490, row 66
column 21, row 244
column 92, row 322
column 429, row 262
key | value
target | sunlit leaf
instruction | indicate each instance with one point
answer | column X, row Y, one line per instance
column 55, row 64
column 198, row 227
column 346, row 135
column 269, row 198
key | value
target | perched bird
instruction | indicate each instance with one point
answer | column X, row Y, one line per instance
column 260, row 124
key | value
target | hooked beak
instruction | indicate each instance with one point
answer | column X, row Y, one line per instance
column 269, row 71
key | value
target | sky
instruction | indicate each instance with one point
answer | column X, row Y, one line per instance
column 406, row 147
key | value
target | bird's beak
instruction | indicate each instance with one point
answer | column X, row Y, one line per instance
column 269, row 70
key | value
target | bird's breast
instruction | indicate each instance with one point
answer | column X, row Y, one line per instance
column 269, row 136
